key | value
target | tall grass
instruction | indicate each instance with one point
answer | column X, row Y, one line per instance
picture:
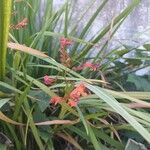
column 100, row 118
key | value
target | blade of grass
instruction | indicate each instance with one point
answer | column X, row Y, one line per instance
column 8, row 120
column 4, row 101
column 111, row 101
column 86, row 28
column 82, row 16
column 126, row 96
column 19, row 103
column 83, row 120
column 66, row 20
column 14, row 135
column 58, row 35
column 27, row 126
column 93, row 138
column 33, row 127
column 38, row 84
column 107, row 29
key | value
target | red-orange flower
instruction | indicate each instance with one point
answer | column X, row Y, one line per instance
column 80, row 90
column 56, row 99
column 94, row 67
column 65, row 42
column 74, row 96
column 72, row 103
column 48, row 80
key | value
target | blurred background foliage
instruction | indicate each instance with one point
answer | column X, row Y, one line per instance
column 116, row 113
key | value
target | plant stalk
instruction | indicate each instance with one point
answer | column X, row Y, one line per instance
column 5, row 14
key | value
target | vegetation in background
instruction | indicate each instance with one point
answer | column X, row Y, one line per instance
column 56, row 96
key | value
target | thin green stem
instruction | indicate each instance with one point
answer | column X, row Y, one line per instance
column 5, row 13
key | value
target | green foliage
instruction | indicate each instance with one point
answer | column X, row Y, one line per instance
column 5, row 12
column 3, row 147
column 134, row 145
column 141, row 83
column 3, row 101
column 105, row 112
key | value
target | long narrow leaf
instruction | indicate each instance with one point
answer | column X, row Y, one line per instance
column 3, row 101
column 91, row 20
column 106, row 29
column 119, row 109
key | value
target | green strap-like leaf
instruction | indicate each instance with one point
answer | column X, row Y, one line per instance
column 3, row 101
column 112, row 102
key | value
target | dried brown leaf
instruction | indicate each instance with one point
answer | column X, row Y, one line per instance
column 26, row 49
